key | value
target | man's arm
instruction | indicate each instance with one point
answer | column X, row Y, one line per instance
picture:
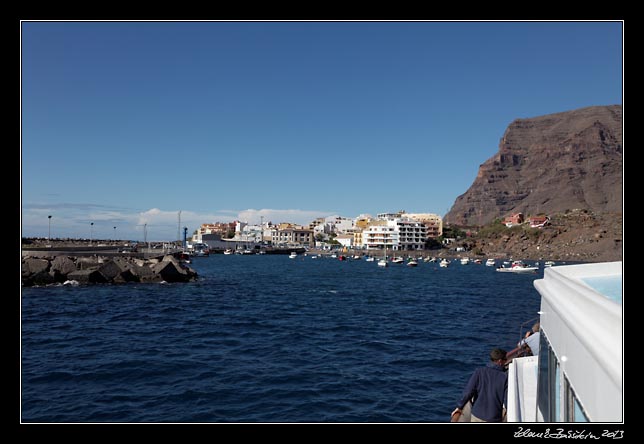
column 470, row 390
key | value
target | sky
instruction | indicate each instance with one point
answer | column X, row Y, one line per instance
column 133, row 126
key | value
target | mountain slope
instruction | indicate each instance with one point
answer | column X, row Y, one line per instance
column 547, row 164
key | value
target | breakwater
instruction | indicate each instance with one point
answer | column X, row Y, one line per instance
column 51, row 269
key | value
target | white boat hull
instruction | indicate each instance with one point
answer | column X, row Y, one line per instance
column 518, row 270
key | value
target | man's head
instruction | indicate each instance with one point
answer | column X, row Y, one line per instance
column 535, row 328
column 497, row 355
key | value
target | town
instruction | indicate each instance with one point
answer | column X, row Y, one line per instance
column 399, row 231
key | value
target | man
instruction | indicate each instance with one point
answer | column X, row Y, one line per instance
column 488, row 390
column 532, row 340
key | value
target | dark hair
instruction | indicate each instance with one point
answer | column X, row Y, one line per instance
column 497, row 354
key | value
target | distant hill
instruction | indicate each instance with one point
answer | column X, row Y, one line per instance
column 549, row 164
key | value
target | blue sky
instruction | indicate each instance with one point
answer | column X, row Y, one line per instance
column 128, row 123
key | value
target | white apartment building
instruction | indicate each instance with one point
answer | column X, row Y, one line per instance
column 341, row 225
column 395, row 234
column 433, row 222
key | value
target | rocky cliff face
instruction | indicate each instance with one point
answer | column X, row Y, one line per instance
column 548, row 164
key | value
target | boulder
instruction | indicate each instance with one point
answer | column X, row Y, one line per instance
column 41, row 278
column 143, row 273
column 125, row 276
column 85, row 263
column 33, row 266
column 61, row 266
column 171, row 258
column 169, row 272
column 90, row 276
column 109, row 269
column 123, row 263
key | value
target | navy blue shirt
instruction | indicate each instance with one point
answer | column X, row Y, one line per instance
column 488, row 387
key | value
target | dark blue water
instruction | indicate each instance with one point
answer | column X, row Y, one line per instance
column 268, row 339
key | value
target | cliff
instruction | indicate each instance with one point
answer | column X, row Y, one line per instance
column 549, row 164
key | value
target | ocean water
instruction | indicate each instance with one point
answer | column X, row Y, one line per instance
column 268, row 339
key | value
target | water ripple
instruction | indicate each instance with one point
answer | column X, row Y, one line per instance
column 267, row 339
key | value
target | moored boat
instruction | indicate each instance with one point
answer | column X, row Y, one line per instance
column 517, row 267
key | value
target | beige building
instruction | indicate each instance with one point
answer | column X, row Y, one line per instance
column 292, row 235
column 433, row 222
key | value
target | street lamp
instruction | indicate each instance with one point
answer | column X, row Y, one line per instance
column 49, row 237
column 115, row 233
column 91, row 231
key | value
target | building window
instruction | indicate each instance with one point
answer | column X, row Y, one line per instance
column 574, row 411
column 557, row 392
column 544, row 394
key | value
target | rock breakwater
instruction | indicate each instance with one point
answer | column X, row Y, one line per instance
column 49, row 270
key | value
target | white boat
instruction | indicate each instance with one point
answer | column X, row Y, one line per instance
column 490, row 262
column 443, row 263
column 370, row 259
column 397, row 260
column 383, row 262
column 228, row 251
column 465, row 261
column 548, row 263
column 578, row 374
column 517, row 267
column 412, row 263
column 293, row 255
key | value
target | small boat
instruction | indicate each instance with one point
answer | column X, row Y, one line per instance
column 342, row 257
column 397, row 260
column 478, row 261
column 228, row 251
column 412, row 263
column 357, row 256
column 518, row 267
column 548, row 263
column 383, row 262
column 490, row 262
column 444, row 263
column 370, row 259
column 293, row 255
column 465, row 261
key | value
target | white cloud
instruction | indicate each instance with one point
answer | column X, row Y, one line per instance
column 302, row 217
column 73, row 220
